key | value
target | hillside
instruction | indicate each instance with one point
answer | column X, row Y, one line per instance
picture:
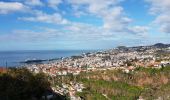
column 143, row 83
column 146, row 83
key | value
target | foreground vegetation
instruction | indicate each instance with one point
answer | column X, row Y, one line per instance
column 146, row 83
column 109, row 90
column 21, row 84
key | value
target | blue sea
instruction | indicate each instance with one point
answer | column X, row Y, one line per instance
column 14, row 58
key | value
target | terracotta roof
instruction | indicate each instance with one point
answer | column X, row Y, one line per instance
column 2, row 70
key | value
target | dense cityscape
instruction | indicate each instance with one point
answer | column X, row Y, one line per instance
column 126, row 58
column 123, row 58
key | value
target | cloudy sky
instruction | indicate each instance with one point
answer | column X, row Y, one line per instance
column 82, row 24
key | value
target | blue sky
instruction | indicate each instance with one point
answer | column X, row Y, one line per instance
column 82, row 24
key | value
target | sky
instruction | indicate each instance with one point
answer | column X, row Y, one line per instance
column 82, row 24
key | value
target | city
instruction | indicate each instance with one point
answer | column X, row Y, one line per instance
column 119, row 58
column 124, row 58
column 84, row 50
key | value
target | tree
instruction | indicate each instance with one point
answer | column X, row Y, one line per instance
column 21, row 84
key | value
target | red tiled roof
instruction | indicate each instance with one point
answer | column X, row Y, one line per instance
column 2, row 70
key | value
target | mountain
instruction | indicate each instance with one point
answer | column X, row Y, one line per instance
column 161, row 45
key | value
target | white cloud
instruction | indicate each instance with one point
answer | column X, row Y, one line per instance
column 55, row 18
column 54, row 3
column 42, row 34
column 7, row 7
column 139, row 30
column 113, row 16
column 161, row 8
column 164, row 21
column 114, row 20
column 108, row 10
column 34, row 2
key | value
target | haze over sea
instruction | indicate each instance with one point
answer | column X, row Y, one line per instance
column 13, row 58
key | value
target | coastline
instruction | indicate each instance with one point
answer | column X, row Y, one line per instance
column 17, row 58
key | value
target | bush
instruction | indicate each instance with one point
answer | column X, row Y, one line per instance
column 20, row 84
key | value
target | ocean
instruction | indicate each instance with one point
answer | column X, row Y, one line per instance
column 14, row 58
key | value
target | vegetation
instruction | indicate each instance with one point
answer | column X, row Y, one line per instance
column 147, row 83
column 20, row 84
column 110, row 89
